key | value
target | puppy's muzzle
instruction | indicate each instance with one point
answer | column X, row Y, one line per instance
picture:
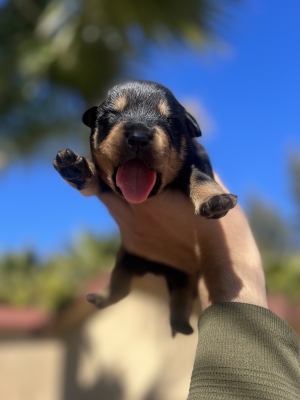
column 137, row 141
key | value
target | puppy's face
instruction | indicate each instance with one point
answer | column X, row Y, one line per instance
column 139, row 138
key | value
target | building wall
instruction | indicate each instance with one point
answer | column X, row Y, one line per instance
column 31, row 369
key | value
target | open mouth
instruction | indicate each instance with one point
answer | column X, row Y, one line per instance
column 135, row 181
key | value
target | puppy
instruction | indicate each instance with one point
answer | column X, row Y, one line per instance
column 142, row 139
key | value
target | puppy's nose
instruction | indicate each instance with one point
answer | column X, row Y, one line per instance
column 137, row 141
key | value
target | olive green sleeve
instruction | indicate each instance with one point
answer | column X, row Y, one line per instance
column 245, row 352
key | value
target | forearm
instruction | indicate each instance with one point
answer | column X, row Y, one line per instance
column 231, row 268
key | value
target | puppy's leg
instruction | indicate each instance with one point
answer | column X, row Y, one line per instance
column 118, row 288
column 209, row 199
column 183, row 294
column 78, row 172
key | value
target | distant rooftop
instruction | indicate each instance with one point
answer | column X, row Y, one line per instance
column 22, row 320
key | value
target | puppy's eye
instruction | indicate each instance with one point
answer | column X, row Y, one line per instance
column 174, row 122
column 102, row 118
column 107, row 115
column 173, row 119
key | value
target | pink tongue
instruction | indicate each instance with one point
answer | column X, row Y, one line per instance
column 135, row 180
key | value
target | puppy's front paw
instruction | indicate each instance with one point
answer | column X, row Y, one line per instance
column 218, row 206
column 73, row 168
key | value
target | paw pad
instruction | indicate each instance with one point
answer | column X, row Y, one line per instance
column 73, row 168
column 218, row 206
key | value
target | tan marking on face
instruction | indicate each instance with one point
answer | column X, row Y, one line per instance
column 164, row 108
column 95, row 136
column 166, row 160
column 108, row 155
column 183, row 148
column 120, row 103
column 169, row 161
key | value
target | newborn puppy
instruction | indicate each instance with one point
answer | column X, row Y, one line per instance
column 142, row 139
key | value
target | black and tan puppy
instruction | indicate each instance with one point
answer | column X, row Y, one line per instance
column 142, row 139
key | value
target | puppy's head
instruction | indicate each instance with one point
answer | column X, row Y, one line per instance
column 139, row 138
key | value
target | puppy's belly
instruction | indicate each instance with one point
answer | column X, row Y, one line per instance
column 180, row 257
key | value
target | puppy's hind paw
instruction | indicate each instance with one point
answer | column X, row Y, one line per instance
column 181, row 327
column 218, row 206
column 95, row 299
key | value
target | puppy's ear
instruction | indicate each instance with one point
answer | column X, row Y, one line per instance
column 90, row 116
column 192, row 125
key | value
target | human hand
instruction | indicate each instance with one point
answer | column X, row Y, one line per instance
column 221, row 252
column 231, row 263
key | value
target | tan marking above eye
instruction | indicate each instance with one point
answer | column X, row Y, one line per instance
column 120, row 103
column 164, row 108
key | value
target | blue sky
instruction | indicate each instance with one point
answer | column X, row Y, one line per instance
column 248, row 88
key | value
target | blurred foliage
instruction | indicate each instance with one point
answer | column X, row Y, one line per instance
column 271, row 232
column 24, row 280
column 294, row 166
column 283, row 274
column 59, row 55
column 278, row 238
